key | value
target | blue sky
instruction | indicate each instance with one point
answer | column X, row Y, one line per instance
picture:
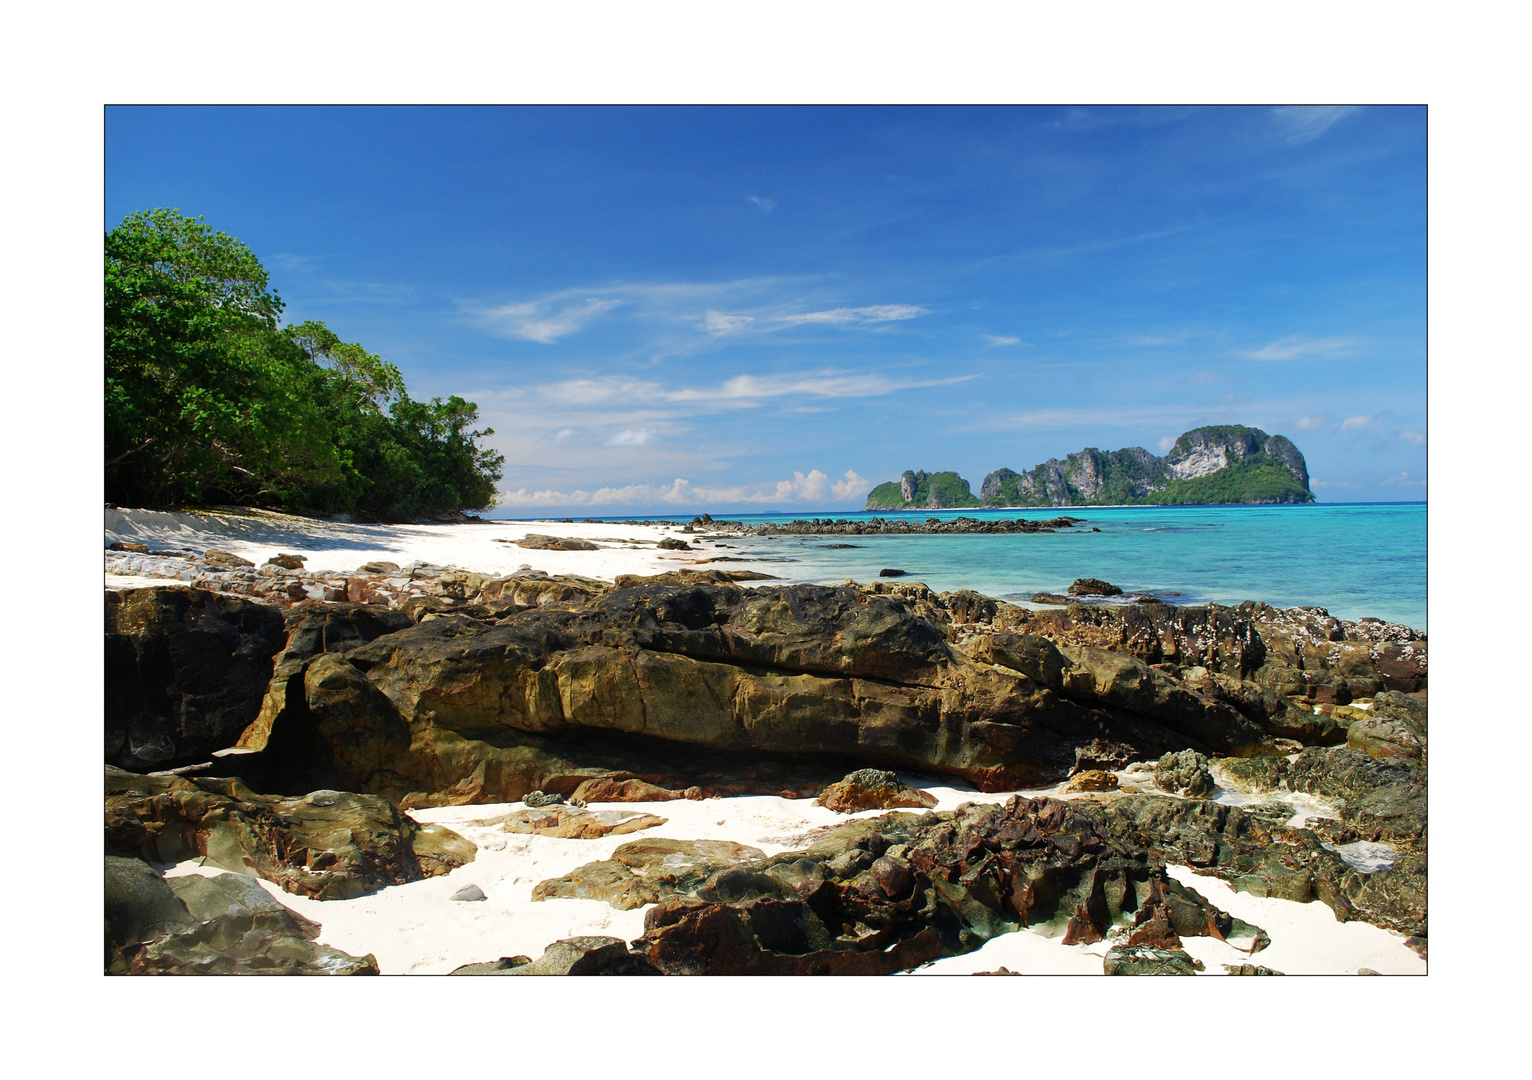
column 774, row 309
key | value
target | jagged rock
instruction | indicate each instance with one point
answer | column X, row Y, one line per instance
column 1185, row 773
column 890, row 572
column 539, row 542
column 219, row 925
column 1147, row 960
column 604, row 789
column 570, row 823
column 1092, row 780
column 217, row 557
column 670, row 543
column 644, row 871
column 330, row 845
column 501, row 966
column 1253, row 775
column 873, row 789
column 571, row 956
column 1090, row 586
column 289, row 562
column 186, row 671
column 536, row 799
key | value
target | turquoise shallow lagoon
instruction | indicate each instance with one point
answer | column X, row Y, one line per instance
column 1356, row 559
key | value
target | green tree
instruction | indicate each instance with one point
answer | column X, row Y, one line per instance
column 209, row 399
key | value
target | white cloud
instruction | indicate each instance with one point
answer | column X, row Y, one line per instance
column 812, row 487
column 1404, row 479
column 535, row 322
column 1166, row 443
column 845, row 316
column 996, row 339
column 1414, row 438
column 1352, row 423
column 718, row 324
column 1303, row 123
column 741, row 390
column 632, row 437
column 768, row 205
column 563, row 435
column 1333, row 484
column 1296, row 347
column 1312, row 423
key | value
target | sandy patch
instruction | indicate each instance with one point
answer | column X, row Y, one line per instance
column 333, row 547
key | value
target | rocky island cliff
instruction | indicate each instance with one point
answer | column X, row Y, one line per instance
column 1227, row 463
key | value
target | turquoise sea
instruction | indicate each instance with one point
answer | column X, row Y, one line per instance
column 1354, row 559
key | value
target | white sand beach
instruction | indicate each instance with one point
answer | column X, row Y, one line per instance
column 417, row 929
column 340, row 547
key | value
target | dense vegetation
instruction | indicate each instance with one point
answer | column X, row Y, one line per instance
column 1254, row 480
column 210, row 399
column 952, row 492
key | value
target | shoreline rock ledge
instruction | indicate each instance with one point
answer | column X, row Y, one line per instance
column 667, row 689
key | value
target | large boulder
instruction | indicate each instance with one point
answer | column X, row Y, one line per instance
column 873, row 789
column 223, row 925
column 802, row 672
column 186, row 671
column 329, row 845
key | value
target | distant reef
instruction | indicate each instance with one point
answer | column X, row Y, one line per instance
column 1225, row 463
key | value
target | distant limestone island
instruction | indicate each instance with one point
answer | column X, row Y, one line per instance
column 1225, row 463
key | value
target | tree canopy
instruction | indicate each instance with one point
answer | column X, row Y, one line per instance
column 211, row 399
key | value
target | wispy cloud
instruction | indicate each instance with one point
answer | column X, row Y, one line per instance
column 1354, row 423
column 1304, row 123
column 718, row 309
column 1312, row 423
column 997, row 339
column 1403, row 479
column 536, row 322
column 767, row 205
column 1414, row 438
column 1333, row 484
column 813, row 487
column 632, row 436
column 1296, row 347
column 719, row 324
column 848, row 316
column 741, row 390
column 1053, row 419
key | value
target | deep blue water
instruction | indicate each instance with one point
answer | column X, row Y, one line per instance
column 1354, row 559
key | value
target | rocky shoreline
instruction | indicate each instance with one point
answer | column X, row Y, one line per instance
column 286, row 725
column 876, row 526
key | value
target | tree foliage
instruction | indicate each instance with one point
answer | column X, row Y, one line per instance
column 209, row 399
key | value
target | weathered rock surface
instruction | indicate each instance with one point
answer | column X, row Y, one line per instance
column 186, row 671
column 494, row 710
column 570, row 956
column 1091, row 780
column 1148, row 960
column 223, row 925
column 644, row 871
column 873, row 789
column 329, row 845
column 1093, row 587
column 1184, row 773
column 571, row 823
column 539, row 542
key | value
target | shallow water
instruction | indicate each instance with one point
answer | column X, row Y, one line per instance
column 1354, row 559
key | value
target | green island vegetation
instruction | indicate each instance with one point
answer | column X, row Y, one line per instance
column 211, row 400
column 1248, row 481
column 1260, row 468
column 951, row 490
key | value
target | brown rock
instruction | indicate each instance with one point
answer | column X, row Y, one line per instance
column 126, row 545
column 287, row 562
column 873, row 789
column 1092, row 780
column 606, row 789
column 228, row 559
column 1090, row 586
